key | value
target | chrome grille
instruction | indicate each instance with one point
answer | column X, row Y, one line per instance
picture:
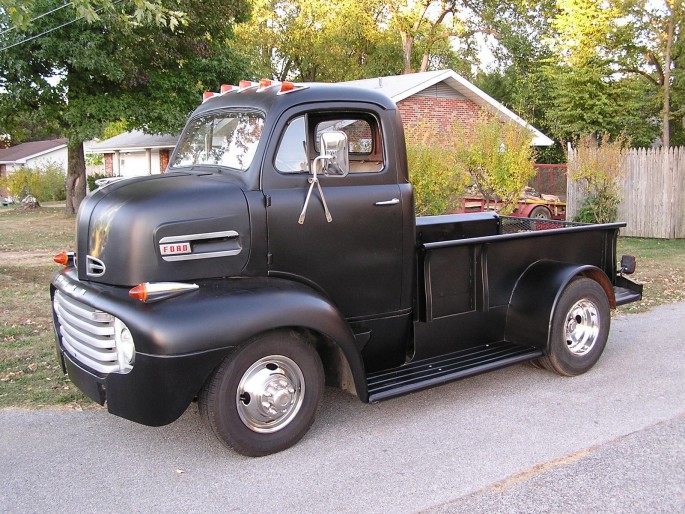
column 88, row 335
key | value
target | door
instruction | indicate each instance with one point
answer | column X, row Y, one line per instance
column 356, row 258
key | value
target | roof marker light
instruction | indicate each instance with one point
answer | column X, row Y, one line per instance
column 287, row 86
column 207, row 95
column 244, row 84
column 264, row 83
column 225, row 88
column 152, row 292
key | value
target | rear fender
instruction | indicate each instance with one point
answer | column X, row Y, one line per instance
column 535, row 296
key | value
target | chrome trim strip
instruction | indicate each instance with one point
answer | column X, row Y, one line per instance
column 194, row 237
column 206, row 255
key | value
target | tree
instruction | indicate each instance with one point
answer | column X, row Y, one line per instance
column 429, row 24
column 148, row 67
column 314, row 40
column 612, row 41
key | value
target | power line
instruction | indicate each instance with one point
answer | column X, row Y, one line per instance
column 97, row 11
column 38, row 17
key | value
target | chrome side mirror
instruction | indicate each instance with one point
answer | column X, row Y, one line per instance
column 334, row 153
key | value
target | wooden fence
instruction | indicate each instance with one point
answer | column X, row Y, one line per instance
column 653, row 193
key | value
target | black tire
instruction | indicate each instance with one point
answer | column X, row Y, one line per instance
column 541, row 213
column 264, row 397
column 580, row 327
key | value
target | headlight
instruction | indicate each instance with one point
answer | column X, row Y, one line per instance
column 126, row 348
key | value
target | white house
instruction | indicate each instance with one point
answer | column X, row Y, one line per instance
column 32, row 155
column 134, row 153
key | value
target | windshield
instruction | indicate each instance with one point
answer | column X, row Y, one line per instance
column 220, row 139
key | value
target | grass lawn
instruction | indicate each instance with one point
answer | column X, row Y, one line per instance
column 29, row 373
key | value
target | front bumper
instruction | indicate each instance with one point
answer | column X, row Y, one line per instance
column 156, row 392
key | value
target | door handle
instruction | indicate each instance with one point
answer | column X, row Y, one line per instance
column 394, row 201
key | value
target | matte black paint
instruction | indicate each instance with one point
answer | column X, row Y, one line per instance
column 410, row 302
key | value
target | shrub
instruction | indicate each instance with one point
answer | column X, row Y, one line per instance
column 47, row 182
column 435, row 172
column 500, row 161
column 92, row 186
column 596, row 165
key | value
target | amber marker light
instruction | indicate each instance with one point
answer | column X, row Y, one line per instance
column 264, row 83
column 154, row 291
column 225, row 88
column 64, row 258
column 287, row 86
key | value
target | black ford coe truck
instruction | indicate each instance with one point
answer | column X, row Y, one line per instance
column 280, row 252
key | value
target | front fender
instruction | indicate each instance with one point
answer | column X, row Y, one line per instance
column 535, row 296
column 217, row 317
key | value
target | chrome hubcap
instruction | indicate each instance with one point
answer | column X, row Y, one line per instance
column 582, row 327
column 270, row 394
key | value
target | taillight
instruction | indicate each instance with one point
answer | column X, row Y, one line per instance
column 154, row 291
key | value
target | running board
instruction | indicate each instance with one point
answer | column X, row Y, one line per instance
column 425, row 373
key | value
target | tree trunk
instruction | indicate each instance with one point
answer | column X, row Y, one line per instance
column 666, row 132
column 424, row 62
column 407, row 44
column 76, row 177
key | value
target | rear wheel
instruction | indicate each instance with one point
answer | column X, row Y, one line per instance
column 540, row 212
column 264, row 397
column 580, row 326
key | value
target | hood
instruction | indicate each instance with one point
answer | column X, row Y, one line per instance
column 172, row 227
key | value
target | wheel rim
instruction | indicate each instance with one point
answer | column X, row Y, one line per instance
column 270, row 394
column 582, row 327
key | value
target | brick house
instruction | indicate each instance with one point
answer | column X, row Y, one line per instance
column 443, row 98
column 439, row 97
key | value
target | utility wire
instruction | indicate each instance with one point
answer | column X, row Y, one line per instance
column 97, row 11
column 38, row 17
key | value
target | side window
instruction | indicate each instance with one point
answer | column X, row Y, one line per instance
column 364, row 140
column 291, row 157
column 363, row 137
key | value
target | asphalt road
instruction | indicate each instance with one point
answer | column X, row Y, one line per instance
column 517, row 440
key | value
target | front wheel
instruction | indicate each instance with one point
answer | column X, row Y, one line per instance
column 264, row 397
column 580, row 327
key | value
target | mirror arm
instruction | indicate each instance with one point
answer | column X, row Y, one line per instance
column 312, row 181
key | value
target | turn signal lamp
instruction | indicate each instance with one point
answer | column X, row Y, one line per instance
column 155, row 291
column 64, row 258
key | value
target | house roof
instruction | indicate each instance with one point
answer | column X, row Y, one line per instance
column 134, row 141
column 399, row 87
column 19, row 154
